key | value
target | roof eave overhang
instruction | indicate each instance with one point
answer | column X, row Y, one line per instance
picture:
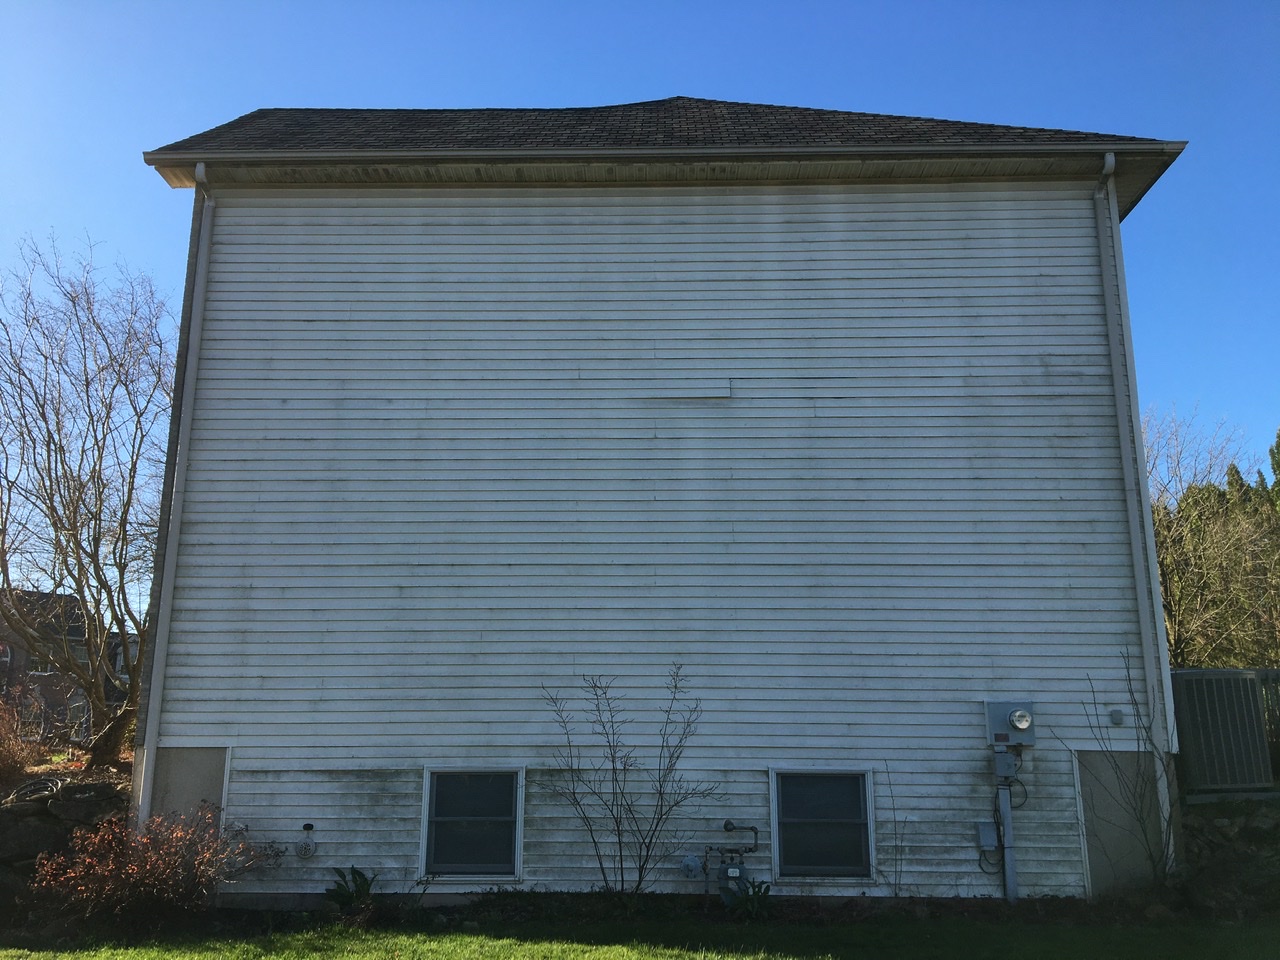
column 1138, row 164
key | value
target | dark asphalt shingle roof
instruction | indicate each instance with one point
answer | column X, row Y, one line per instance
column 676, row 122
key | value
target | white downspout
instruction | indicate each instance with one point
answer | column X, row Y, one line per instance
column 164, row 615
column 1156, row 683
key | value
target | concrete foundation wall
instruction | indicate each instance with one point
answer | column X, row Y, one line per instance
column 1122, row 819
column 185, row 777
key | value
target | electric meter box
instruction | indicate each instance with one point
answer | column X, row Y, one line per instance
column 1011, row 723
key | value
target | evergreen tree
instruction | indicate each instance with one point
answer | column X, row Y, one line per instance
column 1217, row 549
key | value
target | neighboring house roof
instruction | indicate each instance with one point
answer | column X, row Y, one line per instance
column 677, row 127
column 25, row 614
column 52, row 613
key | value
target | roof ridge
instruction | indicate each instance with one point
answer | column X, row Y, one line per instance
column 644, row 106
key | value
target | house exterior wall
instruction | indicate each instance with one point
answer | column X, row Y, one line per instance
column 849, row 454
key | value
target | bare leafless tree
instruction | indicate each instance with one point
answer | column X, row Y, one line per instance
column 1216, row 545
column 86, row 388
column 1184, row 452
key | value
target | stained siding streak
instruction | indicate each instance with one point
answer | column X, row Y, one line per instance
column 369, row 818
column 849, row 454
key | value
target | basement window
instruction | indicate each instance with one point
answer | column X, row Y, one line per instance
column 822, row 826
column 471, row 824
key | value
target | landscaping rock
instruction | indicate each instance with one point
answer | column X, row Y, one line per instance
column 14, row 882
column 25, row 808
column 1231, row 862
column 25, row 838
column 84, row 812
column 39, row 817
column 82, row 792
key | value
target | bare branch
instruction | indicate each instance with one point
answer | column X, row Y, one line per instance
column 627, row 807
column 86, row 388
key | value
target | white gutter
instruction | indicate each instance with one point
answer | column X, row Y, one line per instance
column 163, row 157
column 180, row 453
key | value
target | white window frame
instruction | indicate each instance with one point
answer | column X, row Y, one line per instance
column 473, row 878
column 868, row 776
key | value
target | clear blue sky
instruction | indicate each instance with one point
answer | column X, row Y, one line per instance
column 85, row 87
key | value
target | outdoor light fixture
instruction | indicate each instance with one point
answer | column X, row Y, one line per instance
column 306, row 847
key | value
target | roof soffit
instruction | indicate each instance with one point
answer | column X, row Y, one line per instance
column 681, row 140
column 1135, row 173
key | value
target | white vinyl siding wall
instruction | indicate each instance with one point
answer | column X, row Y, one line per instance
column 848, row 454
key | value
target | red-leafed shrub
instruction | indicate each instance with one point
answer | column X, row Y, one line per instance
column 173, row 866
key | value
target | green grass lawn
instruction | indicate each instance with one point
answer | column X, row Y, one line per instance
column 890, row 938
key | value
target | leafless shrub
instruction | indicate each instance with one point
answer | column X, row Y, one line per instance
column 1136, row 798
column 628, row 808
column 15, row 751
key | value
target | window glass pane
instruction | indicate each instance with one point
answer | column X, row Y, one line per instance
column 471, row 828
column 822, row 825
column 824, row 850
column 473, row 795
column 472, row 846
column 821, row 797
